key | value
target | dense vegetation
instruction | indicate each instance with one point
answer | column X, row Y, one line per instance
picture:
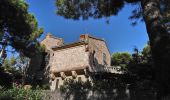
column 19, row 30
column 121, row 59
column 18, row 27
column 19, row 93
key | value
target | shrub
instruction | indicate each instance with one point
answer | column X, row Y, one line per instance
column 19, row 93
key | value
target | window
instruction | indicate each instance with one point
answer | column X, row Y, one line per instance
column 79, row 79
column 94, row 59
column 104, row 59
column 57, row 83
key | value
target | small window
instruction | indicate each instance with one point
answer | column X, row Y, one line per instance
column 94, row 59
column 104, row 59
column 57, row 83
column 53, row 54
column 79, row 79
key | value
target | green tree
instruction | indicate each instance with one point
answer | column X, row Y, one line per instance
column 20, row 93
column 9, row 64
column 13, row 61
column 155, row 14
column 20, row 25
column 7, row 72
column 22, row 64
column 146, row 54
column 121, row 59
column 16, row 67
column 141, row 64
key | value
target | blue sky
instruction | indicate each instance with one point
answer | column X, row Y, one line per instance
column 119, row 34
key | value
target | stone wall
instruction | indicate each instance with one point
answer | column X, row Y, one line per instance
column 36, row 70
column 69, row 59
column 97, row 50
column 123, row 94
column 58, row 81
column 99, row 47
column 51, row 41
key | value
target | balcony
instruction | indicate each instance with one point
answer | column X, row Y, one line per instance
column 113, row 69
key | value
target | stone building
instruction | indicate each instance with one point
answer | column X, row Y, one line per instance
column 79, row 60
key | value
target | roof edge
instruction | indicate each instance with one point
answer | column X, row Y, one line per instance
column 69, row 45
column 51, row 36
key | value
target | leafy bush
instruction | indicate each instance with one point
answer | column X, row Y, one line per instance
column 19, row 93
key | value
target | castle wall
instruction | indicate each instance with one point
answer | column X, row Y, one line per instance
column 51, row 41
column 97, row 50
column 69, row 59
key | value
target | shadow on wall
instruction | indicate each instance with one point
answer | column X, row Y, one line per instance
column 103, row 89
column 94, row 64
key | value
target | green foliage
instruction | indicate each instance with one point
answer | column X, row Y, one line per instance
column 74, row 85
column 20, row 24
column 45, row 87
column 41, row 48
column 80, row 90
column 146, row 55
column 14, row 69
column 22, row 63
column 12, row 61
column 138, row 65
column 121, row 59
column 6, row 64
column 146, row 50
column 88, row 8
column 19, row 93
column 141, row 65
column 9, row 64
column 103, row 8
column 99, row 84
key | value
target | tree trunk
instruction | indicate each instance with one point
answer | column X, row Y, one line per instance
column 160, row 44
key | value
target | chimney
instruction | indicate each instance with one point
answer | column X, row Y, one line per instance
column 49, row 35
column 84, row 37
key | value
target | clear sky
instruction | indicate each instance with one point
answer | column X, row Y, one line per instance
column 119, row 34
